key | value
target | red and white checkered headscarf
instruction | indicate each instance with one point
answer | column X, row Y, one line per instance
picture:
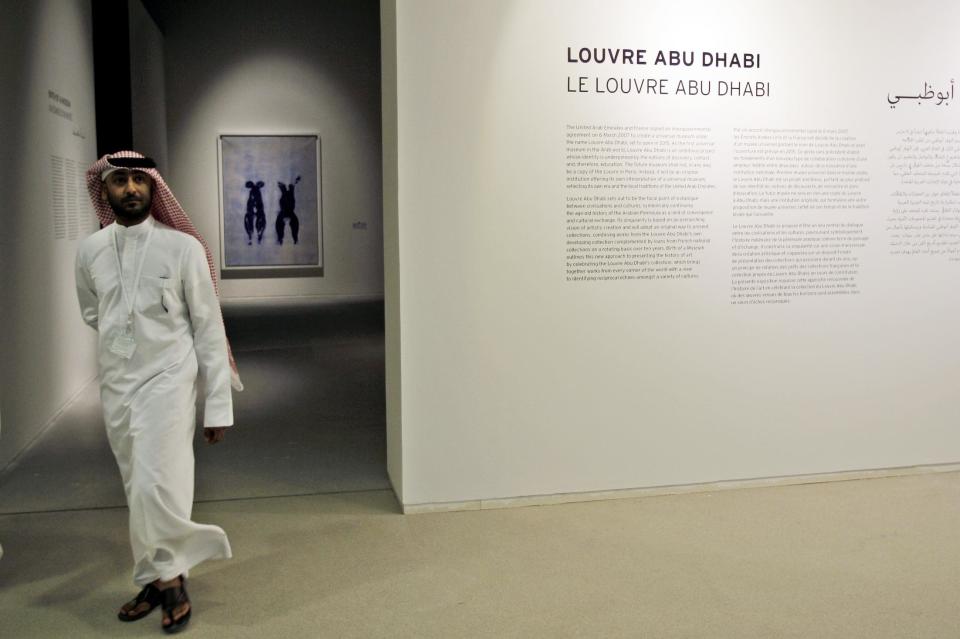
column 165, row 209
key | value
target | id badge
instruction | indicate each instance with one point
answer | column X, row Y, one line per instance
column 123, row 345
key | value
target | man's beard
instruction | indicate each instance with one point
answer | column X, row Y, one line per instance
column 132, row 214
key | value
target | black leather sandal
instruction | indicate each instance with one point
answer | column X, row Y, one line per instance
column 148, row 594
column 173, row 597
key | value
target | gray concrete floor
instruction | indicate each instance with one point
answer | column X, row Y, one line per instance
column 875, row 558
column 872, row 559
column 310, row 420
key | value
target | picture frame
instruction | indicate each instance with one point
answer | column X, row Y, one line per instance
column 271, row 221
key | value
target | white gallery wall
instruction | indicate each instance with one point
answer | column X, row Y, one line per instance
column 616, row 273
column 46, row 352
column 287, row 68
column 391, row 255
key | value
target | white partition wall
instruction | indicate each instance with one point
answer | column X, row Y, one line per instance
column 46, row 351
column 645, row 244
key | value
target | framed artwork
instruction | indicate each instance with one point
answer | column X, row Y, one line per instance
column 270, row 206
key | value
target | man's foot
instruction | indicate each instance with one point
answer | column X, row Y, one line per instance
column 140, row 606
column 176, row 604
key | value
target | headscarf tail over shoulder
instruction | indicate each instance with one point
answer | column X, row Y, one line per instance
column 165, row 209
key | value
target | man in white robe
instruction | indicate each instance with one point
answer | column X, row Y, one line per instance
column 149, row 292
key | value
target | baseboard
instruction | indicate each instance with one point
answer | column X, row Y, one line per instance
column 657, row 491
column 299, row 300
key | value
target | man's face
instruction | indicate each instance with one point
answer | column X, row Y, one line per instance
column 129, row 193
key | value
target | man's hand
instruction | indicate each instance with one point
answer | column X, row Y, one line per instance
column 215, row 434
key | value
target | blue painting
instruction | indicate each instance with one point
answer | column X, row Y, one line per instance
column 270, row 202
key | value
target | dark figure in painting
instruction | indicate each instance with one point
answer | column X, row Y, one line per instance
column 287, row 204
column 255, row 214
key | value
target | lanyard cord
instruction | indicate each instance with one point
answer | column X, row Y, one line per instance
column 130, row 297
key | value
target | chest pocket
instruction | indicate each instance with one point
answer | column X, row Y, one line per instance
column 159, row 296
